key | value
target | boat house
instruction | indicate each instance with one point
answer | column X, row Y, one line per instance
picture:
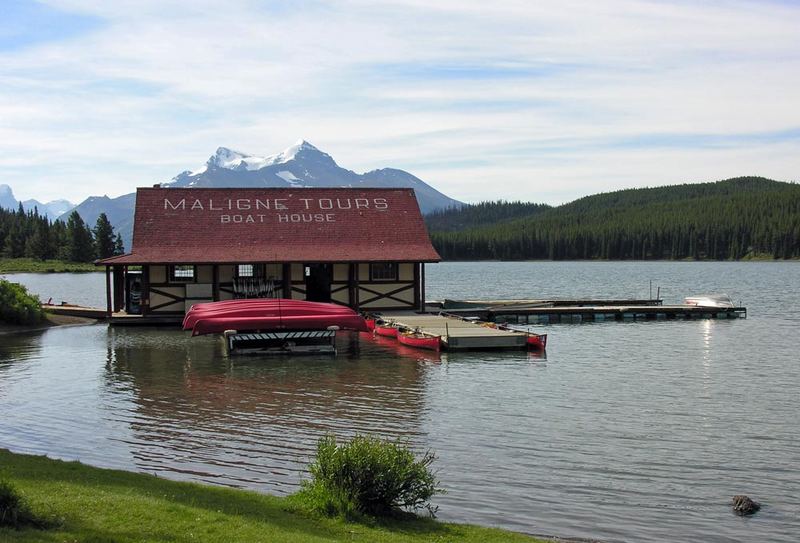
column 363, row 248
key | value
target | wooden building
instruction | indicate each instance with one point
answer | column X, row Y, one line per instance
column 364, row 248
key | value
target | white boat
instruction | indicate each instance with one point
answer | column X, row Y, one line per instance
column 710, row 300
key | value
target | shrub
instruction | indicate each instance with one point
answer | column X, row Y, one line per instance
column 369, row 475
column 14, row 511
column 17, row 306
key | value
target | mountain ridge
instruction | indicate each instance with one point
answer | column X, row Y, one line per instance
column 299, row 166
column 52, row 209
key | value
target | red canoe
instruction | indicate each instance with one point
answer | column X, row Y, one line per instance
column 270, row 314
column 420, row 341
column 259, row 307
column 537, row 341
column 385, row 330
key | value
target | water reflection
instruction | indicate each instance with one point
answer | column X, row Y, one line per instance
column 19, row 347
column 707, row 327
column 634, row 431
column 255, row 420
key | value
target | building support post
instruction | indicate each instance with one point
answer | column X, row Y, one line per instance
column 119, row 288
column 422, row 286
column 108, row 292
column 417, row 285
column 352, row 280
column 215, row 282
column 146, row 289
column 286, row 285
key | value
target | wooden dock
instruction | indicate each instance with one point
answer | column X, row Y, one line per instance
column 576, row 311
column 460, row 334
column 119, row 318
column 124, row 319
column 76, row 311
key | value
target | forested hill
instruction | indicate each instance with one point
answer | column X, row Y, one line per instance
column 482, row 214
column 733, row 219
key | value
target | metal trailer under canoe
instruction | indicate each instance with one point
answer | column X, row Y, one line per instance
column 293, row 342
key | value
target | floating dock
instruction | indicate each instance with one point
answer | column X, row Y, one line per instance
column 576, row 311
column 460, row 334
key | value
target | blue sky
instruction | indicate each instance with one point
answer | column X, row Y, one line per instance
column 544, row 101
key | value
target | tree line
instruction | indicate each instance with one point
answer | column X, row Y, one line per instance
column 30, row 235
column 728, row 220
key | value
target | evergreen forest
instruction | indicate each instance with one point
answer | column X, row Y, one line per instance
column 30, row 235
column 741, row 218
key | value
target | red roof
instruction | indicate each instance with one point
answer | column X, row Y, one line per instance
column 174, row 226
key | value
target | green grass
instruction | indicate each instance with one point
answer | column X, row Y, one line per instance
column 87, row 504
column 30, row 265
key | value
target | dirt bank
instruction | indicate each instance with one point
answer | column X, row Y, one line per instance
column 50, row 320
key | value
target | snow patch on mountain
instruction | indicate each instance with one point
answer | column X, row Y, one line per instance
column 290, row 178
column 234, row 160
column 291, row 152
column 230, row 159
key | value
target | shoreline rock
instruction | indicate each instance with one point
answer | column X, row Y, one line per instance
column 743, row 505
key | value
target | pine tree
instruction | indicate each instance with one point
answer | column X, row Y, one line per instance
column 37, row 245
column 14, row 246
column 80, row 246
column 103, row 237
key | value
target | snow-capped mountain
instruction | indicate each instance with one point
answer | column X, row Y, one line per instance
column 298, row 166
column 52, row 210
column 302, row 165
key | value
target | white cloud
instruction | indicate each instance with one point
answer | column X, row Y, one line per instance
column 513, row 99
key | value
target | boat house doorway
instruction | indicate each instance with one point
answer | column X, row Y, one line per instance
column 318, row 282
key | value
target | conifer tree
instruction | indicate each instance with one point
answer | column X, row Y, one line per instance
column 14, row 245
column 104, row 241
column 119, row 247
column 80, row 246
column 38, row 245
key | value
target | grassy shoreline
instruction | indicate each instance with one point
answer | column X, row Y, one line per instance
column 83, row 503
column 30, row 265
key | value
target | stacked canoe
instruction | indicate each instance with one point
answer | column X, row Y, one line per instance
column 269, row 314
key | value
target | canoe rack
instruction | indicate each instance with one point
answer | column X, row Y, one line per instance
column 280, row 342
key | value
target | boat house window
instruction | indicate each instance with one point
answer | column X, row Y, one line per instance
column 182, row 272
column 245, row 270
column 250, row 270
column 383, row 271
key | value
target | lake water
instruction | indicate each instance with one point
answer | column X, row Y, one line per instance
column 636, row 431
